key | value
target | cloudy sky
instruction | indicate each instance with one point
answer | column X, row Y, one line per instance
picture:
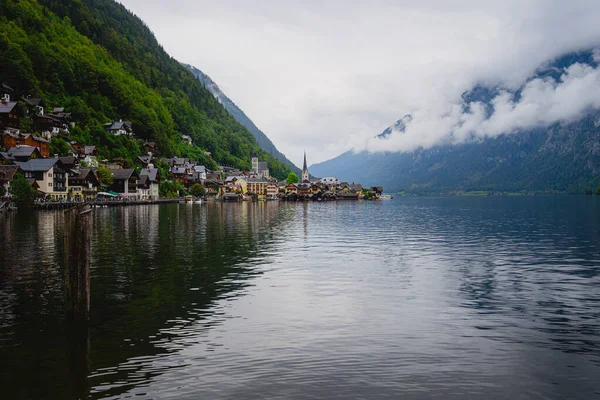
column 327, row 76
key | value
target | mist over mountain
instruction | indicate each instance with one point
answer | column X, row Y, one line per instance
column 261, row 138
column 541, row 136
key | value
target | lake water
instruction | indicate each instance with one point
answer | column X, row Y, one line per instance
column 413, row 298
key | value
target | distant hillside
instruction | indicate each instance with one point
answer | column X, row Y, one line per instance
column 564, row 157
column 263, row 141
column 102, row 63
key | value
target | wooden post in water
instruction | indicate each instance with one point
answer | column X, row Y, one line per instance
column 77, row 240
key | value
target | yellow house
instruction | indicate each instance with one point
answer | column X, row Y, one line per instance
column 258, row 187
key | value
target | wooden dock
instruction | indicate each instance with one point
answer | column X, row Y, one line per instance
column 59, row 205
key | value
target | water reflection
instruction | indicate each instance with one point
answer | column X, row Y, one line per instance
column 460, row 298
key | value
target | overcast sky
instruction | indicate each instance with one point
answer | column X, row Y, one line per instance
column 327, row 76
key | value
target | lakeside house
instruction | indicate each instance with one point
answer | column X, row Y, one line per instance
column 125, row 182
column 149, row 183
column 236, row 184
column 272, row 190
column 85, row 184
column 258, row 187
column 47, row 175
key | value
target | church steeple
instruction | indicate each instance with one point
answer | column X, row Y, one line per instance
column 304, row 170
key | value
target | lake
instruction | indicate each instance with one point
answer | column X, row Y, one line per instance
column 452, row 298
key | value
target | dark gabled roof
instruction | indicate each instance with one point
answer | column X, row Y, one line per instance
column 84, row 173
column 116, row 125
column 7, row 172
column 145, row 159
column 123, row 173
column 177, row 170
column 144, row 180
column 21, row 151
column 68, row 160
column 151, row 173
column 33, row 101
column 357, row 187
column 6, row 108
column 36, row 165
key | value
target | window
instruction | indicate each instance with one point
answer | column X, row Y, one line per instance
column 49, row 184
column 49, row 174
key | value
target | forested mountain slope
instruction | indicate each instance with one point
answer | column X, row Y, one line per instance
column 103, row 63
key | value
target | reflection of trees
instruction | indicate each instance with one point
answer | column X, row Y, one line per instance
column 155, row 271
column 153, row 288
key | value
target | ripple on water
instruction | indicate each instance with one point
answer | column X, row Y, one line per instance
column 413, row 298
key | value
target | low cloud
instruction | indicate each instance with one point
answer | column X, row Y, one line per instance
column 327, row 76
column 540, row 103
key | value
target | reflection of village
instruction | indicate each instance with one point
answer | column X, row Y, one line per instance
column 75, row 174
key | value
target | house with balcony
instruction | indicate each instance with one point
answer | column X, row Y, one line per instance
column 49, row 175
column 258, row 186
column 272, row 190
column 148, row 183
column 84, row 185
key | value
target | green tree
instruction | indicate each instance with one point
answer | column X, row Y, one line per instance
column 22, row 190
column 292, row 178
column 106, row 177
column 197, row 190
column 598, row 191
column 59, row 146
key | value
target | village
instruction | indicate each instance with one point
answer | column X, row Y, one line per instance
column 81, row 174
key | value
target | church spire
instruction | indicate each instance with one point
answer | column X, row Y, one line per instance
column 304, row 169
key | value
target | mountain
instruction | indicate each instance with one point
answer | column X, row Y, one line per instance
column 102, row 63
column 263, row 141
column 399, row 126
column 563, row 157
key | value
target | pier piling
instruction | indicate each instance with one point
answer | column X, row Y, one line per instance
column 77, row 247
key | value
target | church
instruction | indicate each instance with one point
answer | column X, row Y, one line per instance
column 305, row 176
column 260, row 168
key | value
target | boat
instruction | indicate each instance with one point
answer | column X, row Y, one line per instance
column 386, row 197
column 189, row 199
column 198, row 201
